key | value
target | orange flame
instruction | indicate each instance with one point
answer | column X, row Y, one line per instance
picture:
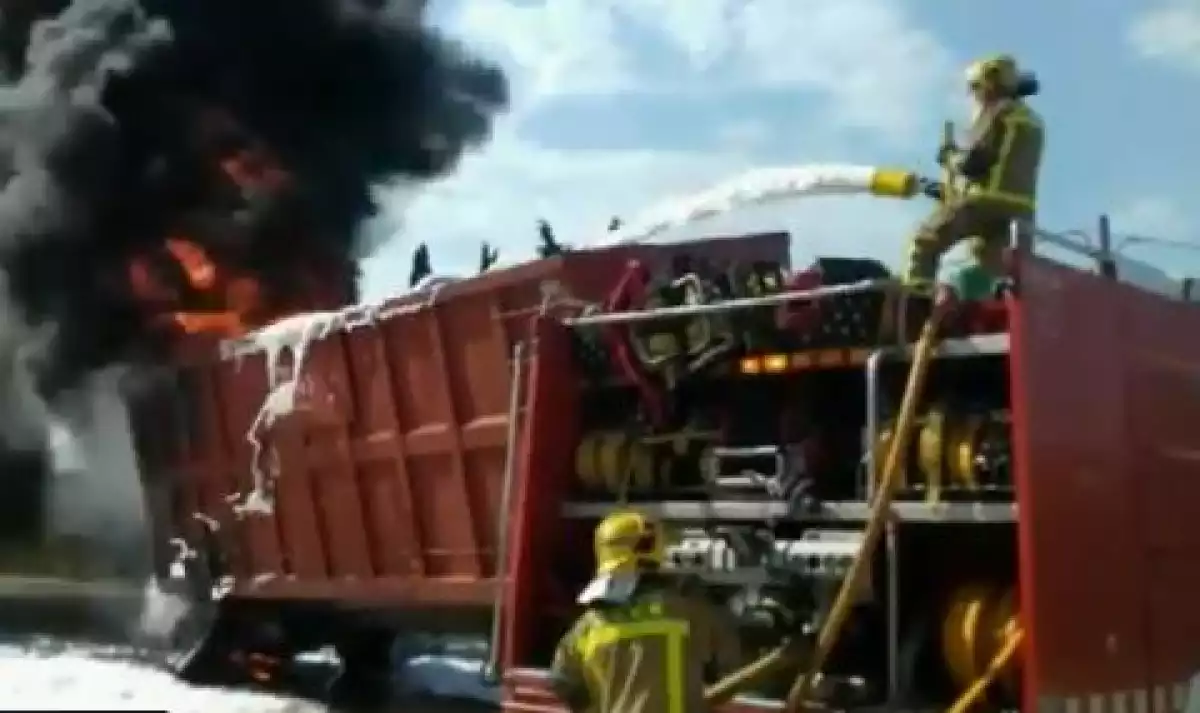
column 235, row 298
column 212, row 298
column 229, row 304
column 252, row 169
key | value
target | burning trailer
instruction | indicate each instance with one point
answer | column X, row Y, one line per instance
column 178, row 174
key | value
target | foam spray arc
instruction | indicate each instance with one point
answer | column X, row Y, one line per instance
column 761, row 186
column 179, row 168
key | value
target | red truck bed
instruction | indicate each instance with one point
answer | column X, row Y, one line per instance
column 391, row 465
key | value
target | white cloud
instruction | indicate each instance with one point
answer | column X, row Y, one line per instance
column 860, row 64
column 499, row 195
column 744, row 134
column 1169, row 34
column 1154, row 217
column 552, row 49
column 866, row 58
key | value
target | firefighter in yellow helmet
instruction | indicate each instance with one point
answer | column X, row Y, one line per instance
column 999, row 167
column 644, row 644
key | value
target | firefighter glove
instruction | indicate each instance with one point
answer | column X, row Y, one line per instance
column 932, row 189
column 946, row 153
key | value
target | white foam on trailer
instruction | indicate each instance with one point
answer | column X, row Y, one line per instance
column 760, row 186
column 294, row 336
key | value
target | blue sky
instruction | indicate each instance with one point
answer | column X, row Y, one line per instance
column 619, row 104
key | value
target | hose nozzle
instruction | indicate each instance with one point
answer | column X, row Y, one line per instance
column 893, row 183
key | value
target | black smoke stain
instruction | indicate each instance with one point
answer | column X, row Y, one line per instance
column 111, row 127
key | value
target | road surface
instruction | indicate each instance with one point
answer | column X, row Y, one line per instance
column 49, row 674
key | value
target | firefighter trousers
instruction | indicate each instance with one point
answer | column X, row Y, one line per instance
column 987, row 225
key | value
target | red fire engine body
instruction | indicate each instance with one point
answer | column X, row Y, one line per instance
column 1102, row 381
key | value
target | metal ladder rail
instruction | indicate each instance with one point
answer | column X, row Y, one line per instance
column 492, row 671
column 729, row 686
column 892, row 573
column 880, row 515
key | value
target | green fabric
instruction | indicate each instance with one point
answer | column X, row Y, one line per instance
column 973, row 283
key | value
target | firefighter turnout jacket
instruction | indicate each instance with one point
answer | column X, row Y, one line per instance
column 1003, row 154
column 999, row 166
column 650, row 654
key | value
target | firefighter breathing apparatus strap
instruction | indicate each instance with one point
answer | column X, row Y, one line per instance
column 990, row 188
column 644, row 621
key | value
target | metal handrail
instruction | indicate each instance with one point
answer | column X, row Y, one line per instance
column 1103, row 254
column 492, row 671
column 728, row 305
column 1111, row 259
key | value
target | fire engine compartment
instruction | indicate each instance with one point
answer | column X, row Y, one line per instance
column 745, row 430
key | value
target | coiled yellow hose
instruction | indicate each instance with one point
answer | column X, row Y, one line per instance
column 999, row 662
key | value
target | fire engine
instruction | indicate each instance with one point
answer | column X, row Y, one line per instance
column 995, row 515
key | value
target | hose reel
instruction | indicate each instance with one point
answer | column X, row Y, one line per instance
column 615, row 462
column 960, row 452
column 970, row 450
column 978, row 620
column 677, row 347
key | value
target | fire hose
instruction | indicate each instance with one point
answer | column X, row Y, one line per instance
column 881, row 509
column 979, row 686
column 802, row 688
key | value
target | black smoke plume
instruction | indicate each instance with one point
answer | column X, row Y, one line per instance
column 118, row 123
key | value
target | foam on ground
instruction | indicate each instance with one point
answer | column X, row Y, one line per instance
column 70, row 680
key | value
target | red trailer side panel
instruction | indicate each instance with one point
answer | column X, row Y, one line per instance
column 389, row 470
column 390, row 466
column 1106, row 392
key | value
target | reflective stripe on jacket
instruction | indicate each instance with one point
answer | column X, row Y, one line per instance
column 1011, row 135
column 647, row 656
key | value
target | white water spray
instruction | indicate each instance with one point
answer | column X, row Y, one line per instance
column 761, row 186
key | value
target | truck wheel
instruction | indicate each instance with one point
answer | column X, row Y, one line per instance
column 366, row 669
column 206, row 658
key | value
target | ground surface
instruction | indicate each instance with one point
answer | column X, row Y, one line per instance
column 45, row 665
column 42, row 673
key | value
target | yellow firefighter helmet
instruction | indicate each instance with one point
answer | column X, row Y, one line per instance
column 626, row 541
column 998, row 72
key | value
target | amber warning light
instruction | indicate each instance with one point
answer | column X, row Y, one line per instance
column 770, row 364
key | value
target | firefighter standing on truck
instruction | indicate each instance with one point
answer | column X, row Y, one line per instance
column 645, row 644
column 999, row 166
